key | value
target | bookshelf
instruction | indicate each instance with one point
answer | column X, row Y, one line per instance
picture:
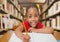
column 10, row 12
column 3, row 11
column 49, row 6
column 11, row 16
column 2, row 5
column 51, row 14
column 11, row 2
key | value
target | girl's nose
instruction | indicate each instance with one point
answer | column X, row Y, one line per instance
column 33, row 18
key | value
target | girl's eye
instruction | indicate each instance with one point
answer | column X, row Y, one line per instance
column 36, row 15
column 29, row 16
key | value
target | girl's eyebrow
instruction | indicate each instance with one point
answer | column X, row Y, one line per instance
column 29, row 14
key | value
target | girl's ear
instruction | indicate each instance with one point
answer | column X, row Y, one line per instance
column 25, row 18
column 39, row 18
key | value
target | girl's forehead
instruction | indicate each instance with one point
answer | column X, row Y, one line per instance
column 32, row 10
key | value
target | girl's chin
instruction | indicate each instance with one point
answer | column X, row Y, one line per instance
column 33, row 26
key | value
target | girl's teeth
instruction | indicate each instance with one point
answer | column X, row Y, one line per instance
column 33, row 23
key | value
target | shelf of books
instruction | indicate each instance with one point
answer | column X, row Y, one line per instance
column 13, row 17
column 3, row 11
column 51, row 17
column 9, row 14
column 15, row 4
column 3, row 7
column 48, row 5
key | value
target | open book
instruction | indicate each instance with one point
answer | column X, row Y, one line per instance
column 35, row 37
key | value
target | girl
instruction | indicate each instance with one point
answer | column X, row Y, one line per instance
column 32, row 24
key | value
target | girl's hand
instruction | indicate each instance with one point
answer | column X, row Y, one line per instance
column 32, row 29
column 25, row 38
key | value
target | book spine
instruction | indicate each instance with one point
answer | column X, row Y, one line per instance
column 53, row 23
column 58, row 5
column 48, row 23
column 58, row 22
column 1, row 23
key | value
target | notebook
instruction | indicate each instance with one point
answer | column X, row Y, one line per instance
column 35, row 37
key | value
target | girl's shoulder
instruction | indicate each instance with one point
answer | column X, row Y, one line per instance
column 40, row 25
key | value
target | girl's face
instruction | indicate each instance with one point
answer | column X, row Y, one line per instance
column 32, row 16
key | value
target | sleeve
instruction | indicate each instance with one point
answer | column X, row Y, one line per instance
column 25, row 25
column 40, row 25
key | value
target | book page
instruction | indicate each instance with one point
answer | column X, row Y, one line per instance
column 35, row 37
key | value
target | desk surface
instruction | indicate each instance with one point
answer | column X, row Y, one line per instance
column 6, row 37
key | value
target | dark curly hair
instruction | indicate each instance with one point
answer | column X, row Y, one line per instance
column 33, row 6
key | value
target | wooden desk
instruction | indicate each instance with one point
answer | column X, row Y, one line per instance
column 57, row 35
column 6, row 37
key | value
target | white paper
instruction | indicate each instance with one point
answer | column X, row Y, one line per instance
column 35, row 37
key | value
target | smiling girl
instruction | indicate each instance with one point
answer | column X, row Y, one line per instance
column 32, row 24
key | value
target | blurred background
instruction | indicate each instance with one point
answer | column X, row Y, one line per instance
column 12, row 14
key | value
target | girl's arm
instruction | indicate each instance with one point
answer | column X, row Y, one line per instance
column 19, row 34
column 43, row 30
column 18, row 31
